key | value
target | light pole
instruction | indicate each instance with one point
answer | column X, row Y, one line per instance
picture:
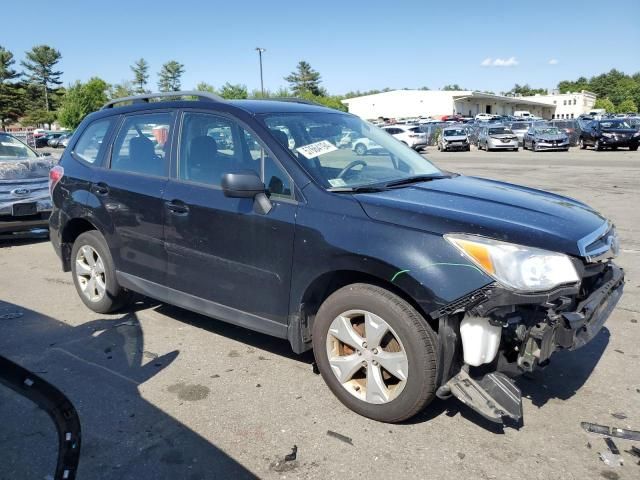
column 260, row 50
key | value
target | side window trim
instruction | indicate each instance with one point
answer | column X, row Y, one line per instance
column 175, row 160
column 170, row 140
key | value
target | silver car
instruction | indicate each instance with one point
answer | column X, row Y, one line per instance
column 25, row 202
column 453, row 139
column 520, row 129
column 497, row 137
column 546, row 137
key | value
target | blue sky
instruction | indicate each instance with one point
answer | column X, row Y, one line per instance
column 486, row 45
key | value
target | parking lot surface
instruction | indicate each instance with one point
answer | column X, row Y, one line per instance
column 164, row 393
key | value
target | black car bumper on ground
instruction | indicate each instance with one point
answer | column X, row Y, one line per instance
column 610, row 142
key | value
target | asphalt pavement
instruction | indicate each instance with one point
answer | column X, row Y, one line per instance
column 164, row 394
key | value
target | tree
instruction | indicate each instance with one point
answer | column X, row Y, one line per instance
column 205, row 87
column 123, row 89
column 525, row 90
column 40, row 65
column 627, row 106
column 606, row 104
column 169, row 76
column 453, row 87
column 140, row 69
column 9, row 98
column 231, row 91
column 80, row 100
column 304, row 79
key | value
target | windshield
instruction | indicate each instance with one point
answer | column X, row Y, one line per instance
column 548, row 131
column 520, row 126
column 458, row 132
column 616, row 124
column 372, row 157
column 13, row 149
column 499, row 130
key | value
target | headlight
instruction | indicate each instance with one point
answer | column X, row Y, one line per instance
column 516, row 266
column 608, row 135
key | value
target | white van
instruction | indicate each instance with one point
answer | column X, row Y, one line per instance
column 522, row 114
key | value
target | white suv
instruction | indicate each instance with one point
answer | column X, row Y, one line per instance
column 410, row 135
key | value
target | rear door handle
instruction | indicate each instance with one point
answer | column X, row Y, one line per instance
column 100, row 188
column 177, row 207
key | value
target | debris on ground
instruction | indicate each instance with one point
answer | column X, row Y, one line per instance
column 287, row 463
column 611, row 457
column 292, row 456
column 315, row 369
column 634, row 451
column 612, row 446
column 611, row 431
column 619, row 416
column 339, row 436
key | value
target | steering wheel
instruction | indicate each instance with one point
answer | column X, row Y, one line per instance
column 351, row 165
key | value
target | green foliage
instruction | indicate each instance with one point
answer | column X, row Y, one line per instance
column 122, row 89
column 10, row 105
column 205, row 87
column 451, row 88
column 304, row 80
column 80, row 100
column 613, row 85
column 525, row 90
column 328, row 101
column 358, row 93
column 169, row 76
column 6, row 61
column 234, row 91
column 627, row 106
column 39, row 118
column 140, row 69
column 606, row 104
column 40, row 65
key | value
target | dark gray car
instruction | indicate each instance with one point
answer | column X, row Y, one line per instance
column 546, row 137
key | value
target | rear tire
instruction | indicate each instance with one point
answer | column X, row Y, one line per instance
column 94, row 274
column 633, row 148
column 581, row 143
column 361, row 313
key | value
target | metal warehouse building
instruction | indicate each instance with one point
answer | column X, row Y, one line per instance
column 434, row 103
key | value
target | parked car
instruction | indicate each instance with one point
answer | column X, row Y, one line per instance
column 25, row 203
column 407, row 281
column 609, row 133
column 454, row 139
column 544, row 137
column 410, row 135
column 43, row 140
column 570, row 127
column 483, row 117
column 520, row 129
column 59, row 142
column 497, row 137
column 364, row 145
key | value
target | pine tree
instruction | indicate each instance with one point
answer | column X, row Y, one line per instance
column 40, row 63
column 140, row 70
column 304, row 80
column 169, row 76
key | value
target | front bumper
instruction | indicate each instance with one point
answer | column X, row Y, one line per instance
column 456, row 146
column 619, row 142
column 496, row 144
column 12, row 227
column 552, row 145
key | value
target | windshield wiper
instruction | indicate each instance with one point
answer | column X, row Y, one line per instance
column 414, row 179
column 359, row 189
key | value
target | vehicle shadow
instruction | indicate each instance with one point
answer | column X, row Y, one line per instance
column 566, row 374
column 100, row 366
column 277, row 346
column 22, row 240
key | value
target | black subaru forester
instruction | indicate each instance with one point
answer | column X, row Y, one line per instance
column 408, row 282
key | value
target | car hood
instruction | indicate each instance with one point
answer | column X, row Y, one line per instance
column 24, row 169
column 489, row 208
column 561, row 136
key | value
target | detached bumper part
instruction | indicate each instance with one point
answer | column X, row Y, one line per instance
column 495, row 396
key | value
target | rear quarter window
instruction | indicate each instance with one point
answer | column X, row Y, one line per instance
column 90, row 145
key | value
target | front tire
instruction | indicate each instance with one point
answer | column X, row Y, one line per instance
column 360, row 149
column 375, row 352
column 583, row 146
column 597, row 146
column 94, row 274
column 633, row 148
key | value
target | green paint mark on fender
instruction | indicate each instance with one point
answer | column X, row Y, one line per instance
column 400, row 272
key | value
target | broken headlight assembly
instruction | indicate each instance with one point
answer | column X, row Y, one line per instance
column 517, row 267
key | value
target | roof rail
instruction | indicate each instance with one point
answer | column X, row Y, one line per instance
column 144, row 98
column 294, row 100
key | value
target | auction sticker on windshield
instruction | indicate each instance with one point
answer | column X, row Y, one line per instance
column 318, row 148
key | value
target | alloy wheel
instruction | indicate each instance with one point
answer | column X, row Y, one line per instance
column 367, row 356
column 90, row 273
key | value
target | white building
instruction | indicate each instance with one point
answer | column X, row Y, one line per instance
column 568, row 105
column 438, row 103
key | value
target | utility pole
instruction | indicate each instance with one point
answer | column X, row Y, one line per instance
column 260, row 50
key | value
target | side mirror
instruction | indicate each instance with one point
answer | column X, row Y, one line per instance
column 242, row 184
column 247, row 184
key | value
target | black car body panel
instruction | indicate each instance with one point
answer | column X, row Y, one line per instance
column 597, row 134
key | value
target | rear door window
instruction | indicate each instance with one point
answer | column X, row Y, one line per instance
column 143, row 144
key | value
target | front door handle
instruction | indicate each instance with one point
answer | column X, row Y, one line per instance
column 177, row 207
column 100, row 188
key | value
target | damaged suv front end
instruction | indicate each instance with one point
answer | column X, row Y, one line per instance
column 540, row 302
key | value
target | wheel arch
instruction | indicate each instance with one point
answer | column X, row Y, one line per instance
column 72, row 230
